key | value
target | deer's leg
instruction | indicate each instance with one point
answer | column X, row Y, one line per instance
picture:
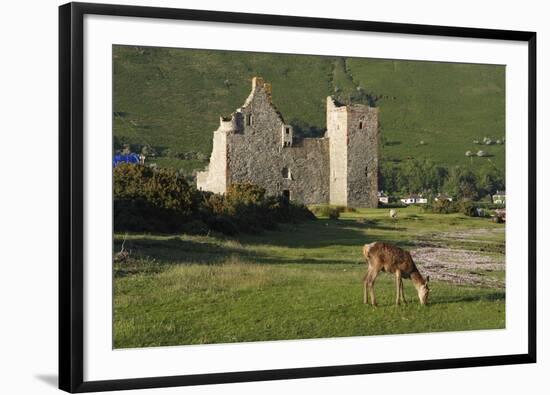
column 402, row 292
column 397, row 287
column 365, row 293
column 371, row 278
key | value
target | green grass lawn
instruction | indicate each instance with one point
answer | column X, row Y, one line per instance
column 302, row 281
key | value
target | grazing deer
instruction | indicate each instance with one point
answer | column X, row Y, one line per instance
column 388, row 258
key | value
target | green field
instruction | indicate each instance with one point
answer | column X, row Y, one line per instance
column 172, row 99
column 305, row 281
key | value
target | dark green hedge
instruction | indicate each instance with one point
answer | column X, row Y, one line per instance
column 161, row 201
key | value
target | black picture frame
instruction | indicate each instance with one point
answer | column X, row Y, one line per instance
column 71, row 204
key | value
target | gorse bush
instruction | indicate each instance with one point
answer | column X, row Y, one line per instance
column 195, row 227
column 147, row 199
column 331, row 212
column 248, row 208
column 245, row 194
column 441, row 207
column 161, row 200
column 161, row 188
column 468, row 208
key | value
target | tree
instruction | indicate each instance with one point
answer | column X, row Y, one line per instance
column 490, row 180
column 462, row 183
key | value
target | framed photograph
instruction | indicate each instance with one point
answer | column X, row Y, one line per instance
column 253, row 197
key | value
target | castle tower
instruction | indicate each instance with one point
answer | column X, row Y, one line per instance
column 353, row 148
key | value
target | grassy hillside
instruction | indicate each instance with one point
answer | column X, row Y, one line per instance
column 172, row 99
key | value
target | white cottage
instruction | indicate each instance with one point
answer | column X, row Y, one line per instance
column 414, row 199
column 499, row 197
column 383, row 198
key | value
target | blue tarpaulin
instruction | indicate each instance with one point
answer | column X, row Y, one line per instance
column 130, row 158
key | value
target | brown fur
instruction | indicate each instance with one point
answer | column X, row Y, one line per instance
column 388, row 258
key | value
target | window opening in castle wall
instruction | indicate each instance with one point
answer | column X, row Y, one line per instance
column 286, row 173
column 286, row 194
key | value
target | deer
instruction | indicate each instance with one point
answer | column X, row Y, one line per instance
column 388, row 258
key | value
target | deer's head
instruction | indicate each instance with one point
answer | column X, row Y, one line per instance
column 424, row 291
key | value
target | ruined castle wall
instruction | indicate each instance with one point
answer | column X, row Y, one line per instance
column 307, row 161
column 362, row 156
column 215, row 177
column 257, row 155
column 337, row 133
column 253, row 146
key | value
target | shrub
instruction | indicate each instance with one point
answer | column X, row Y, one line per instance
column 146, row 199
column 161, row 188
column 441, row 207
column 195, row 227
column 169, row 190
column 332, row 212
column 298, row 213
column 161, row 200
column 243, row 205
column 247, row 207
column 222, row 224
column 245, row 194
column 140, row 216
column 468, row 208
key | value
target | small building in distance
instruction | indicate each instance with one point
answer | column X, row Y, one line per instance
column 383, row 198
column 499, row 197
column 414, row 199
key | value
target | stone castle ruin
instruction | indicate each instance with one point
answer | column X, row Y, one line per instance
column 255, row 145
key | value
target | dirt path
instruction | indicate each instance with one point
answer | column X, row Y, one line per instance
column 461, row 266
